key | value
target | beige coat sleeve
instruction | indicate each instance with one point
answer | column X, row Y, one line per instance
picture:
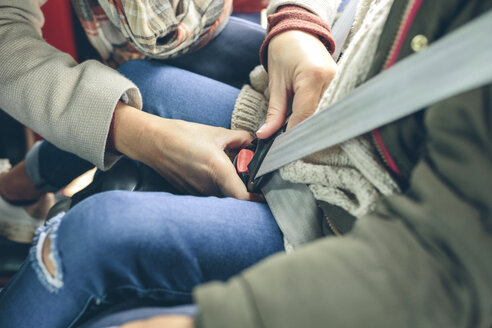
column 69, row 104
column 325, row 9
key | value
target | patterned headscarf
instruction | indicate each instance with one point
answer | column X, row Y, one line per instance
column 121, row 30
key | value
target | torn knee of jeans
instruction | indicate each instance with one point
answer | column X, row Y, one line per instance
column 45, row 256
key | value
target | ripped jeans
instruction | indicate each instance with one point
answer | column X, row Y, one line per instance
column 119, row 246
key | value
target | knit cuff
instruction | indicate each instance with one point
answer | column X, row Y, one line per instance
column 296, row 18
column 249, row 111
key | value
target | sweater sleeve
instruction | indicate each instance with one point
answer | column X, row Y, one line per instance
column 69, row 104
column 289, row 18
column 420, row 260
column 325, row 9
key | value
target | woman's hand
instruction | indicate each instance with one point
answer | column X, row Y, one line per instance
column 299, row 67
column 164, row 321
column 190, row 156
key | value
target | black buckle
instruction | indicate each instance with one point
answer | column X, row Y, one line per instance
column 260, row 147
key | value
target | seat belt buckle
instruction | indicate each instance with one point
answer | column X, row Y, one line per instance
column 241, row 162
column 249, row 160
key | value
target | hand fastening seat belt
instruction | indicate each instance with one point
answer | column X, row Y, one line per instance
column 443, row 70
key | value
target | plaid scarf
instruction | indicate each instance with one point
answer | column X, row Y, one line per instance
column 121, row 30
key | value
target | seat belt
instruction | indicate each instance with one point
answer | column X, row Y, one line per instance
column 443, row 70
column 342, row 27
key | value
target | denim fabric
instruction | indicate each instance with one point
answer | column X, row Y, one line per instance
column 230, row 57
column 175, row 93
column 170, row 89
column 118, row 246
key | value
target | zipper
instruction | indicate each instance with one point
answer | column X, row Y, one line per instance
column 378, row 142
column 402, row 33
column 406, row 21
column 332, row 227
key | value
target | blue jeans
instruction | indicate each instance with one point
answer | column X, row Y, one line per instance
column 199, row 87
column 118, row 246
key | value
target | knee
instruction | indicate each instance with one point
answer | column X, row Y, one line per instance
column 131, row 68
column 109, row 221
column 140, row 71
column 100, row 215
column 44, row 255
column 82, row 238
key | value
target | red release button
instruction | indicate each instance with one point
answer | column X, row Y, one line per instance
column 243, row 158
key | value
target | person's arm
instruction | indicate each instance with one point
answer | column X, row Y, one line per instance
column 69, row 104
column 296, row 53
column 72, row 105
column 191, row 156
column 420, row 260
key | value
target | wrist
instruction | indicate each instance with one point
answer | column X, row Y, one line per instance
column 292, row 17
column 140, row 135
column 128, row 128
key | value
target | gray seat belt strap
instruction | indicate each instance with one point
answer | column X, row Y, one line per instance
column 342, row 27
column 294, row 209
column 439, row 72
column 292, row 204
column 454, row 64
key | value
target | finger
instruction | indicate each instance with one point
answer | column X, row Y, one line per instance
column 197, row 184
column 257, row 198
column 191, row 184
column 306, row 100
column 181, row 186
column 176, row 321
column 232, row 186
column 134, row 324
column 237, row 139
column 229, row 182
column 277, row 110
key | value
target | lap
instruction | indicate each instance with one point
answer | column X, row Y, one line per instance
column 200, row 238
column 120, row 246
column 174, row 93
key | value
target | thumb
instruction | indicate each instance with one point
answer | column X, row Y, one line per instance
column 229, row 182
column 277, row 110
column 231, row 185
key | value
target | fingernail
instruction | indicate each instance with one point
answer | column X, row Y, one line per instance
column 260, row 129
